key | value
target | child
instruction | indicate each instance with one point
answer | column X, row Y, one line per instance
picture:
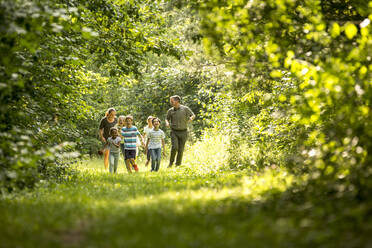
column 130, row 132
column 146, row 132
column 114, row 143
column 119, row 126
column 154, row 143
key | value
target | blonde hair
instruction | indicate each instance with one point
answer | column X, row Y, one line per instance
column 121, row 117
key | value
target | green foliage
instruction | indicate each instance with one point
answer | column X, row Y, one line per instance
column 326, row 58
column 57, row 62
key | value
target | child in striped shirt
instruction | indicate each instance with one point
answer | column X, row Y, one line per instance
column 130, row 133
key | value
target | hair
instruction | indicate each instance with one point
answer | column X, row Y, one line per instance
column 121, row 117
column 155, row 118
column 112, row 129
column 176, row 97
column 109, row 111
column 150, row 117
column 128, row 117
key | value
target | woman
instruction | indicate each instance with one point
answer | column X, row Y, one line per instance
column 105, row 125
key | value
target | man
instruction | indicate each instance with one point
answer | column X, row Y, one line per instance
column 177, row 119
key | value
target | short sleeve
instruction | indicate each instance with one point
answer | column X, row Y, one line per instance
column 168, row 115
column 136, row 130
column 102, row 123
column 162, row 135
column 189, row 111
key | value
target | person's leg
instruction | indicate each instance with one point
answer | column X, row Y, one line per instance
column 133, row 159
column 112, row 161
column 174, row 149
column 127, row 162
column 122, row 150
column 116, row 161
column 106, row 154
column 158, row 159
column 182, row 137
column 132, row 156
column 148, row 157
column 153, row 159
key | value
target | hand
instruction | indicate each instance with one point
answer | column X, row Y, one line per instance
column 104, row 140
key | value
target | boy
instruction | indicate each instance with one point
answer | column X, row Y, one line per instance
column 130, row 133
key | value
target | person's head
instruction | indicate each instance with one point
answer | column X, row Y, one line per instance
column 113, row 132
column 110, row 113
column 149, row 120
column 129, row 120
column 156, row 122
column 175, row 100
column 121, row 120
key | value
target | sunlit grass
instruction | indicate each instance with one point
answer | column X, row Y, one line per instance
column 200, row 204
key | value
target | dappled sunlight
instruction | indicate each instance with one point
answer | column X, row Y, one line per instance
column 209, row 154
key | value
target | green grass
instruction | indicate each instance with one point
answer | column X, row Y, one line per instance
column 197, row 205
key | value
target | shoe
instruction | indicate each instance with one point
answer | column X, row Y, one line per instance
column 135, row 167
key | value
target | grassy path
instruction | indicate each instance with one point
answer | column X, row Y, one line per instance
column 173, row 208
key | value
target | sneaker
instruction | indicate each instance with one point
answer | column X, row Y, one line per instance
column 135, row 167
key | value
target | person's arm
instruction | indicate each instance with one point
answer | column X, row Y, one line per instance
column 163, row 145
column 167, row 118
column 147, row 145
column 118, row 143
column 191, row 114
column 120, row 134
column 101, row 136
column 142, row 140
column 144, row 133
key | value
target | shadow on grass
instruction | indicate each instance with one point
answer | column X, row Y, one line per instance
column 172, row 210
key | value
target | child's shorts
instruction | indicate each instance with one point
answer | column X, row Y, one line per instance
column 129, row 154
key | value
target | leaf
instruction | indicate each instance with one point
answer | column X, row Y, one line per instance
column 335, row 30
column 350, row 30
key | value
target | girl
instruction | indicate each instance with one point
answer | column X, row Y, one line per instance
column 154, row 143
column 119, row 126
column 114, row 146
column 146, row 132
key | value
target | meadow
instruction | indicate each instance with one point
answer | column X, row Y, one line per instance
column 190, row 206
column 196, row 205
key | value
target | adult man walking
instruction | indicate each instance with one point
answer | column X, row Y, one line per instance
column 177, row 118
